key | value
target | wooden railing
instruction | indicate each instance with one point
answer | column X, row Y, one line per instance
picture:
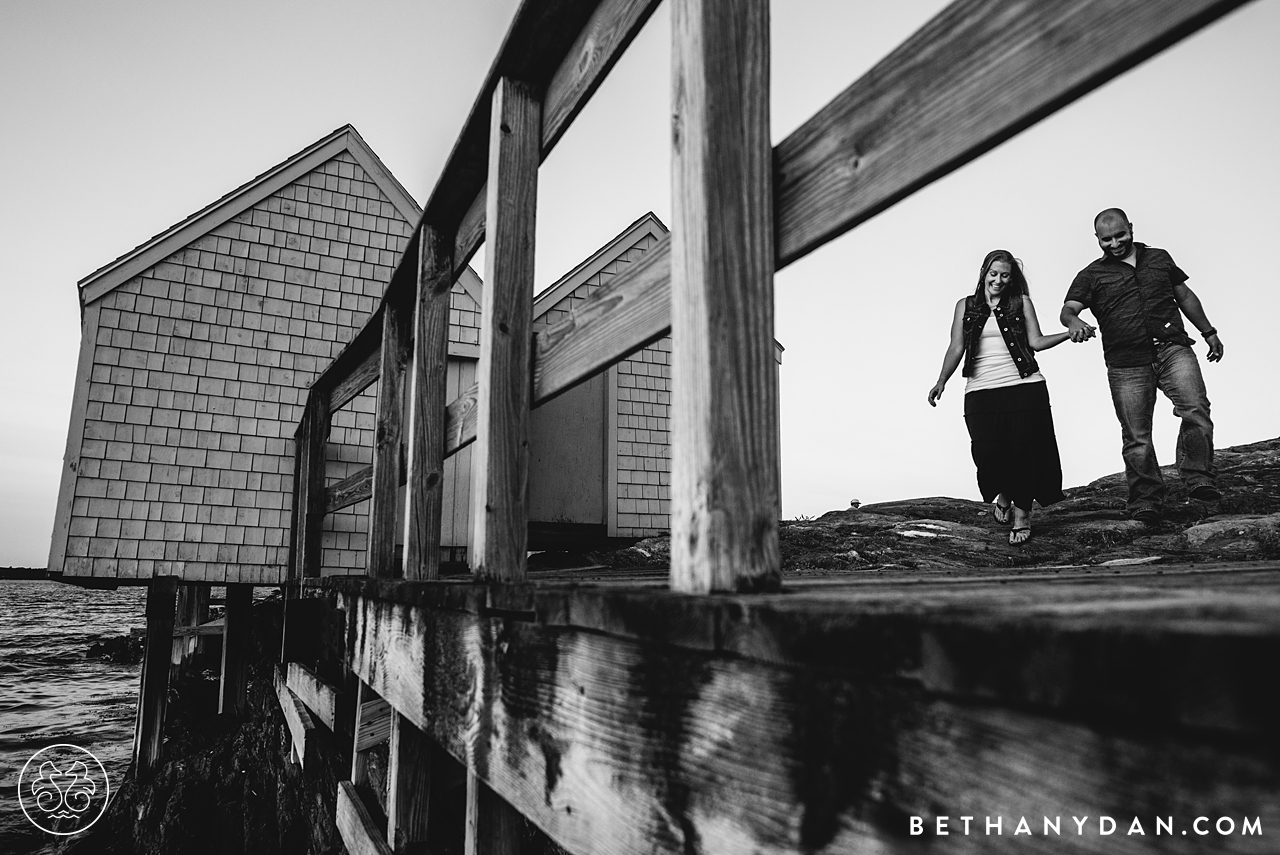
column 742, row 209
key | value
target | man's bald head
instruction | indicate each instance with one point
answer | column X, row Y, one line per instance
column 1114, row 233
column 1110, row 216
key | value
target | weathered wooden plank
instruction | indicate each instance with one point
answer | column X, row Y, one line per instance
column 1180, row 648
column 318, row 696
column 234, row 685
column 633, row 310
column 928, row 108
column 568, row 46
column 213, row 627
column 388, row 430
column 360, row 834
column 153, row 694
column 409, row 777
column 185, row 617
column 619, row 319
column 298, row 496
column 460, row 420
column 499, row 501
column 605, row 37
column 366, row 342
column 544, row 36
column 360, row 757
column 373, row 725
column 352, row 490
column 471, row 229
column 428, row 379
column 493, row 826
column 362, row 376
column 311, row 524
column 724, row 398
column 616, row 746
column 298, row 719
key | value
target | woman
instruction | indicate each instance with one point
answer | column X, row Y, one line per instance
column 1006, row 399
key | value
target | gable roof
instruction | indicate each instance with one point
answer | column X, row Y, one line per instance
column 649, row 224
column 160, row 247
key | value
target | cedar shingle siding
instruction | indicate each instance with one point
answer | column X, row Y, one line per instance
column 200, row 366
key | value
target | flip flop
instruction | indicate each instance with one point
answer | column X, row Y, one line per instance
column 1013, row 534
column 1002, row 513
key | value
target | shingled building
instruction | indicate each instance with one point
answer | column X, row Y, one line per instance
column 197, row 349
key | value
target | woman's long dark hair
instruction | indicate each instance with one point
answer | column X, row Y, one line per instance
column 1011, row 299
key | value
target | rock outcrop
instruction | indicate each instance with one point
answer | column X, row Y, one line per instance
column 1091, row 527
column 948, row 536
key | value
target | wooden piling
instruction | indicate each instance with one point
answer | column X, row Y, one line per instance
column 154, row 692
column 232, row 693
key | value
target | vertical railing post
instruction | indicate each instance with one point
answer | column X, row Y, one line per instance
column 500, row 463
column 311, row 522
column 424, row 491
column 298, row 510
column 386, row 441
column 724, row 514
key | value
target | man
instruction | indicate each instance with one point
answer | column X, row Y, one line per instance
column 1138, row 296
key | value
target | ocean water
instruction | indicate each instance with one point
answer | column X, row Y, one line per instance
column 51, row 693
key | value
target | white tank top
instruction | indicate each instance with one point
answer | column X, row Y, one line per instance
column 993, row 367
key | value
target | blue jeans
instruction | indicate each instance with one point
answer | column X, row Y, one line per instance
column 1176, row 372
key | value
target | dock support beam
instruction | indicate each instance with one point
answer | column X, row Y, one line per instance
column 409, row 778
column 154, row 693
column 493, row 826
column 192, row 610
column 235, row 650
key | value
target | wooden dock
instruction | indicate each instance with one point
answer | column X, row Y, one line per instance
column 720, row 707
column 629, row 718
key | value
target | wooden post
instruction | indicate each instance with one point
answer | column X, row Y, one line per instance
column 500, row 462
column 235, row 650
column 312, row 520
column 409, row 777
column 386, row 442
column 493, row 826
column 427, row 377
column 373, row 723
column 724, row 514
column 153, row 694
column 187, row 615
column 200, row 614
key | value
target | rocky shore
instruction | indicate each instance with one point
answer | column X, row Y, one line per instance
column 226, row 786
column 945, row 536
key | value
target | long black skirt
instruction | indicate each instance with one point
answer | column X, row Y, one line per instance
column 1014, row 447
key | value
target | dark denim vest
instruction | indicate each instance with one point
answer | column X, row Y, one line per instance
column 1012, row 326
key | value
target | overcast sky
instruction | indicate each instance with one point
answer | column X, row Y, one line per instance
column 120, row 119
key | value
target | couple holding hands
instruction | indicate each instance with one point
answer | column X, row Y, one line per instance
column 1138, row 297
